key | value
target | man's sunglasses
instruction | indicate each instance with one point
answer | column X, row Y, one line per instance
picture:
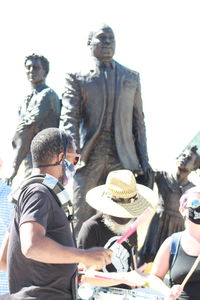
column 76, row 157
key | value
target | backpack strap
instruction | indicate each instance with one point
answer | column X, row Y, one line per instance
column 174, row 247
column 55, row 187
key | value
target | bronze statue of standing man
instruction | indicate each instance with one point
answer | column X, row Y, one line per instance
column 102, row 109
column 40, row 110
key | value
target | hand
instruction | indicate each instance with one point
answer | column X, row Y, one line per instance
column 96, row 258
column 148, row 177
column 175, row 292
column 10, row 177
column 136, row 278
column 146, row 166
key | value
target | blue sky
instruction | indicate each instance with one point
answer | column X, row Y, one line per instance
column 157, row 38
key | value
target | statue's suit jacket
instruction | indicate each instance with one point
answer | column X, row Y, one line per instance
column 40, row 110
column 84, row 106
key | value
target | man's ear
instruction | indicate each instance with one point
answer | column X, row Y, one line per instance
column 60, row 156
column 183, row 211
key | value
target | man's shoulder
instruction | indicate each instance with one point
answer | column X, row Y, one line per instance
column 36, row 187
column 36, row 193
column 91, row 70
column 47, row 92
column 94, row 221
column 80, row 74
column 126, row 69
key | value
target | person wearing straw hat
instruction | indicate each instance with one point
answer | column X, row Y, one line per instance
column 180, row 258
column 118, row 202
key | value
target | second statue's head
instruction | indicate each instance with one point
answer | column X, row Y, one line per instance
column 102, row 42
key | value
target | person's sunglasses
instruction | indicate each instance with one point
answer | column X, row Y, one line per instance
column 195, row 203
column 76, row 157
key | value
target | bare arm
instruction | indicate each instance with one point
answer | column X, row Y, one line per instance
column 160, row 269
column 161, row 261
column 37, row 246
column 101, row 279
column 3, row 252
column 22, row 143
column 133, row 278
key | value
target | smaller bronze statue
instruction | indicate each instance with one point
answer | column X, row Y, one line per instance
column 168, row 219
column 40, row 110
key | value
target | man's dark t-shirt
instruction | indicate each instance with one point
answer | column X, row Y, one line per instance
column 30, row 279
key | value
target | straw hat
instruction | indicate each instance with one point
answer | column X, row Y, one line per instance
column 121, row 196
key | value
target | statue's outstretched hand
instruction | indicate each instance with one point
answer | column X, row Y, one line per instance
column 148, row 173
column 146, row 167
column 11, row 176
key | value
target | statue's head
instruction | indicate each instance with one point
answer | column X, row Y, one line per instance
column 37, row 68
column 102, row 42
column 189, row 159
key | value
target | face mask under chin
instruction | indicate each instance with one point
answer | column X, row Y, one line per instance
column 68, row 171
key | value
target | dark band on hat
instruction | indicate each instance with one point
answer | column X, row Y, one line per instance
column 122, row 200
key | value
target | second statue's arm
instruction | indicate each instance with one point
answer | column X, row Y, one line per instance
column 139, row 129
column 71, row 108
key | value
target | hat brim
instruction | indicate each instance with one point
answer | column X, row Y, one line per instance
column 97, row 199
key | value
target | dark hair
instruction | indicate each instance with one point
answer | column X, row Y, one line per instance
column 194, row 149
column 48, row 143
column 44, row 61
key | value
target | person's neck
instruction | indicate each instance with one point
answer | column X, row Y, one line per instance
column 192, row 230
column 106, row 59
column 37, row 85
column 103, row 60
column 45, row 170
column 182, row 177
